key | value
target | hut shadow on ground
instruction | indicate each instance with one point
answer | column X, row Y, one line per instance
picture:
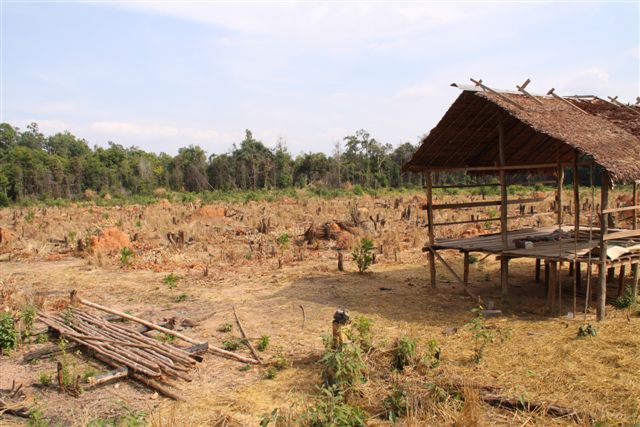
column 405, row 295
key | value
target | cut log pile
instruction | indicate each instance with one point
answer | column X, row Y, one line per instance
column 129, row 351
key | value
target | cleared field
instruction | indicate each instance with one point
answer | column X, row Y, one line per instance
column 288, row 290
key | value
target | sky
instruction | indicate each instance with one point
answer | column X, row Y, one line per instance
column 164, row 75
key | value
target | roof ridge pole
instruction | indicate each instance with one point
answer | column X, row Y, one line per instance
column 556, row 96
column 496, row 93
column 604, row 223
column 504, row 261
column 521, row 88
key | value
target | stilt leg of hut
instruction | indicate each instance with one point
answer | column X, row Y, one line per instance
column 576, row 229
column 431, row 229
column 546, row 276
column 621, row 277
column 578, row 276
column 504, row 227
column 604, row 225
column 465, row 275
column 553, row 285
column 538, row 270
column 611, row 274
column 634, row 269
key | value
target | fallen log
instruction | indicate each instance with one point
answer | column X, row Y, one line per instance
column 244, row 335
column 107, row 376
column 525, row 405
column 234, row 356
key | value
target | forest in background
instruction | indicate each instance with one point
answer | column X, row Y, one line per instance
column 63, row 166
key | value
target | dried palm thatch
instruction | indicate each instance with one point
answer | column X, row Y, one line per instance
column 537, row 130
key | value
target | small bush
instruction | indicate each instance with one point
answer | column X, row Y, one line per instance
column 395, row 404
column 44, row 379
column 263, row 343
column 404, row 352
column 587, row 331
column 344, row 367
column 271, row 373
column 362, row 254
column 8, row 333
column 225, row 327
column 625, row 301
column 281, row 363
column 231, row 344
column 330, row 409
column 28, row 316
column 4, row 200
column 171, row 280
column 125, row 256
column 180, row 298
column 360, row 332
column 482, row 335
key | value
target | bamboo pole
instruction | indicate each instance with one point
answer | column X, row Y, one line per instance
column 76, row 299
column 431, row 228
column 604, row 225
column 244, row 335
column 504, row 261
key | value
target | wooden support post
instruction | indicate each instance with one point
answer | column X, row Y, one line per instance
column 604, row 226
column 578, row 276
column 504, row 261
column 636, row 202
column 621, row 277
column 538, row 262
column 634, row 268
column 466, row 268
column 611, row 274
column 431, row 231
column 546, row 276
column 571, row 268
column 553, row 285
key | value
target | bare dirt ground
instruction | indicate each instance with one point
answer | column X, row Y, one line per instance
column 271, row 284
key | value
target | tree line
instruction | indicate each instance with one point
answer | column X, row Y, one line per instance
column 63, row 165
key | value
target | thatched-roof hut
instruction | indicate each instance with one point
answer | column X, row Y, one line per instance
column 487, row 131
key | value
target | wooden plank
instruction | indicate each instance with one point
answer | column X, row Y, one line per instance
column 621, row 235
column 622, row 209
column 485, row 203
column 479, row 220
column 431, row 229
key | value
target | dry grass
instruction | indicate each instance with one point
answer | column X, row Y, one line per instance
column 543, row 360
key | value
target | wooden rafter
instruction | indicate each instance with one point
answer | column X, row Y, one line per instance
column 556, row 96
column 495, row 92
column 614, row 101
column 521, row 88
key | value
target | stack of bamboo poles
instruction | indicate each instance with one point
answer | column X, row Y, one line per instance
column 129, row 351
column 123, row 346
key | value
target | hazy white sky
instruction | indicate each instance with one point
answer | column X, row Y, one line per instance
column 161, row 75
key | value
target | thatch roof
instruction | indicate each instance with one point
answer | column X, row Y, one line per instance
column 537, row 133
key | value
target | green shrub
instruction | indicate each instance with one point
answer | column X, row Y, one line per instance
column 263, row 343
column 625, row 301
column 225, row 327
column 171, row 280
column 280, row 362
column 4, row 200
column 28, row 316
column 404, row 352
column 587, row 331
column 362, row 254
column 343, row 367
column 482, row 335
column 44, row 378
column 125, row 256
column 8, row 333
column 395, row 404
column 271, row 373
column 331, row 410
column 180, row 298
column 360, row 332
column 231, row 344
